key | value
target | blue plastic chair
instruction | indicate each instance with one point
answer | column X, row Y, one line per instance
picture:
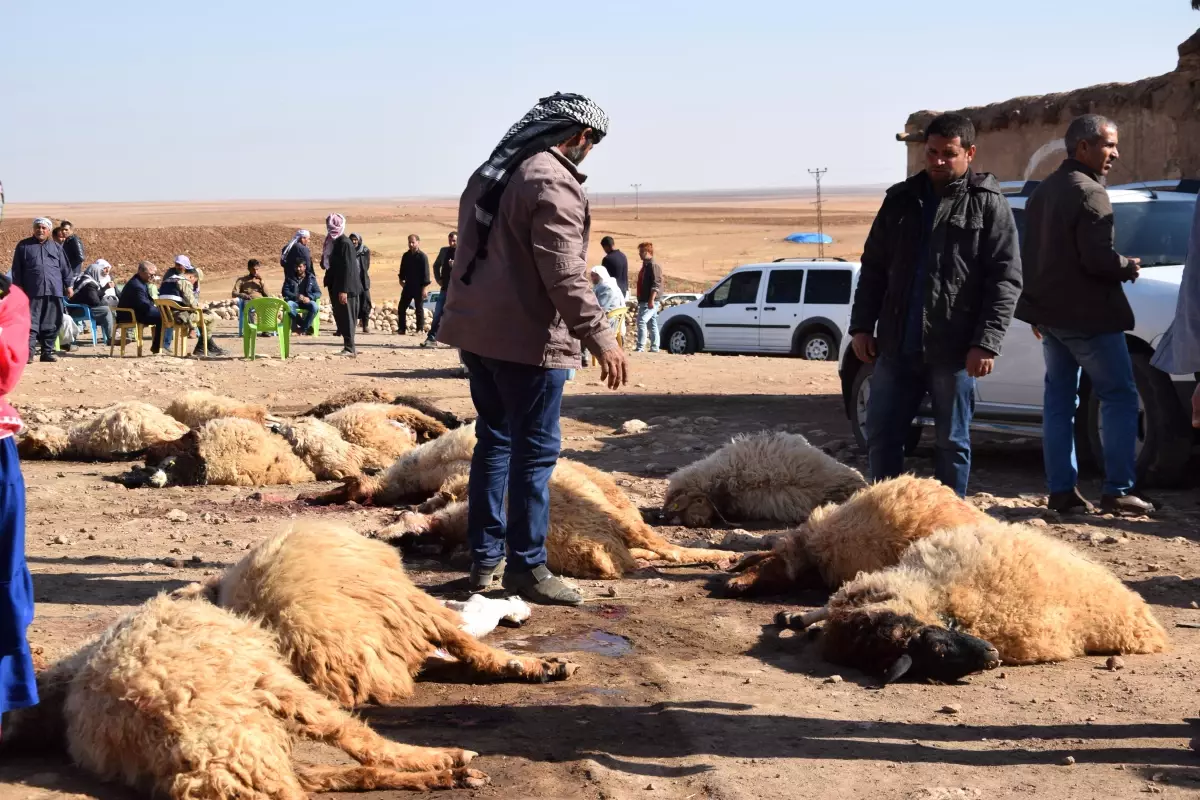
column 83, row 314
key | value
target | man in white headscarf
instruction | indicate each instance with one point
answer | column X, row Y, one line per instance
column 41, row 269
column 295, row 252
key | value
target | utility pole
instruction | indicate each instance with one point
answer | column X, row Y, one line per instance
column 636, row 203
column 817, row 173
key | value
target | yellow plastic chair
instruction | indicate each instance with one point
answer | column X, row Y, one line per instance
column 167, row 309
column 620, row 314
column 270, row 314
column 119, row 329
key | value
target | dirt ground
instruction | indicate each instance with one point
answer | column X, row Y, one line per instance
column 680, row 695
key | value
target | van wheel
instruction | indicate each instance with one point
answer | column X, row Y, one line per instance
column 680, row 340
column 1164, row 437
column 860, row 395
column 817, row 346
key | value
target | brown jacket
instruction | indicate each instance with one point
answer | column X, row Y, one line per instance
column 530, row 301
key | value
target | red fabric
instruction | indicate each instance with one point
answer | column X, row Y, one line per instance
column 14, row 352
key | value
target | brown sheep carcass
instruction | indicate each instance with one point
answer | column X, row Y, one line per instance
column 198, row 407
column 230, row 451
column 119, row 432
column 376, row 395
column 192, row 702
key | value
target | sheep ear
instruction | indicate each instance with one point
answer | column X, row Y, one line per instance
column 903, row 664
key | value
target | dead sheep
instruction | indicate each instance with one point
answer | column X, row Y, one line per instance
column 187, row 701
column 119, row 432
column 230, row 451
column 595, row 531
column 378, row 427
column 868, row 532
column 198, row 407
column 414, row 476
column 969, row 598
column 321, row 446
column 365, row 394
column 775, row 477
column 350, row 621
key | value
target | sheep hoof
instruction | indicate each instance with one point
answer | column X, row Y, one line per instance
column 465, row 757
column 470, row 778
column 558, row 669
column 790, row 619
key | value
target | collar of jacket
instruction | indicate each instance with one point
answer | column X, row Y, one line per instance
column 1071, row 165
column 972, row 181
column 566, row 162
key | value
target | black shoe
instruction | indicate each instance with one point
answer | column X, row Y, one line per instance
column 1071, row 502
column 213, row 349
column 1128, row 504
column 483, row 578
column 30, row 361
column 48, row 358
column 542, row 587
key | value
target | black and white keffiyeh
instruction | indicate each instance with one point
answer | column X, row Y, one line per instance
column 552, row 121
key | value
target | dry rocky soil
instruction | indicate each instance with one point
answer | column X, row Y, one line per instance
column 681, row 695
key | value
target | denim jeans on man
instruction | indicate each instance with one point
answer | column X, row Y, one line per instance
column 438, row 307
column 1105, row 359
column 647, row 319
column 518, row 442
column 303, row 314
column 898, row 385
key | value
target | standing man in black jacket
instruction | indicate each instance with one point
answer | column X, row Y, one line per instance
column 616, row 263
column 1074, row 300
column 414, row 277
column 41, row 270
column 940, row 278
column 442, row 266
column 343, row 279
column 73, row 247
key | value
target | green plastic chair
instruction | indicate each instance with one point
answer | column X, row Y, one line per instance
column 267, row 315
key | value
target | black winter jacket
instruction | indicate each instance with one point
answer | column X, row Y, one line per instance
column 973, row 270
column 1073, row 275
column 414, row 269
column 343, row 274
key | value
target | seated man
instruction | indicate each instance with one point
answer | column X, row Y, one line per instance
column 302, row 293
column 181, row 287
column 136, row 295
column 247, row 288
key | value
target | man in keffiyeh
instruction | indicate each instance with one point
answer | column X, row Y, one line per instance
column 295, row 252
column 518, row 306
column 40, row 268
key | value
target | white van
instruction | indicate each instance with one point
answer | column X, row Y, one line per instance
column 791, row 306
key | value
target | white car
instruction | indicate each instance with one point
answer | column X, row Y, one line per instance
column 1152, row 223
column 791, row 306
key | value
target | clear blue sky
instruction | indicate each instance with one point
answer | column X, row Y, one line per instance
column 214, row 99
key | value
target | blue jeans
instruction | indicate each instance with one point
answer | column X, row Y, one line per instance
column 898, row 386
column 647, row 319
column 18, row 687
column 1105, row 359
column 518, row 441
column 303, row 314
column 438, row 308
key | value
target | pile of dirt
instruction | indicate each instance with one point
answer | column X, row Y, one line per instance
column 218, row 250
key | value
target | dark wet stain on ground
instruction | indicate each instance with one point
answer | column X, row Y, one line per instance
column 601, row 643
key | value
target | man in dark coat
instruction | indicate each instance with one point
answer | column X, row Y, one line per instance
column 442, row 265
column 296, row 252
column 302, row 295
column 616, row 264
column 73, row 247
column 343, row 279
column 414, row 277
column 135, row 295
column 1074, row 300
column 41, row 269
column 939, row 280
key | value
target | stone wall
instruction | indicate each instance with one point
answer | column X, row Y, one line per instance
column 1158, row 118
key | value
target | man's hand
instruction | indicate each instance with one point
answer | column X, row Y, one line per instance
column 1196, row 408
column 70, row 292
column 864, row 347
column 1136, row 263
column 424, row 295
column 614, row 367
column 1036, row 333
column 342, row 298
column 302, row 298
column 980, row 362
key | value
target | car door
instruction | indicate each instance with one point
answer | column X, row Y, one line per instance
column 730, row 313
column 827, row 294
column 781, row 309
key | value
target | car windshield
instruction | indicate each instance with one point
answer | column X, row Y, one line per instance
column 1155, row 232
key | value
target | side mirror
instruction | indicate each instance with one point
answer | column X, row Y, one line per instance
column 706, row 301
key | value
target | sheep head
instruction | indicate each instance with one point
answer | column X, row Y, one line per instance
column 762, row 573
column 46, row 442
column 943, row 655
column 691, row 508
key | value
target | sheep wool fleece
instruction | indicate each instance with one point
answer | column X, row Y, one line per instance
column 18, row 687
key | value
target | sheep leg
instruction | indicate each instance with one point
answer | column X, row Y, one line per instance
column 798, row 622
column 359, row 488
column 490, row 662
column 314, row 716
column 760, row 574
column 642, row 537
column 365, row 779
column 643, row 554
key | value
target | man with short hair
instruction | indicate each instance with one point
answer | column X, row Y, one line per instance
column 414, row 277
column 615, row 264
column 302, row 293
column 442, row 265
column 137, row 297
column 519, row 306
column 296, row 252
column 1074, row 300
column 248, row 287
column 73, row 246
column 40, row 268
column 649, row 287
column 939, row 280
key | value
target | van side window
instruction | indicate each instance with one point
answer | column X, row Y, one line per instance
column 741, row 287
column 784, row 285
column 828, row 287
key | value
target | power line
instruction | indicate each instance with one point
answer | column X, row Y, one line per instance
column 636, row 201
column 817, row 173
